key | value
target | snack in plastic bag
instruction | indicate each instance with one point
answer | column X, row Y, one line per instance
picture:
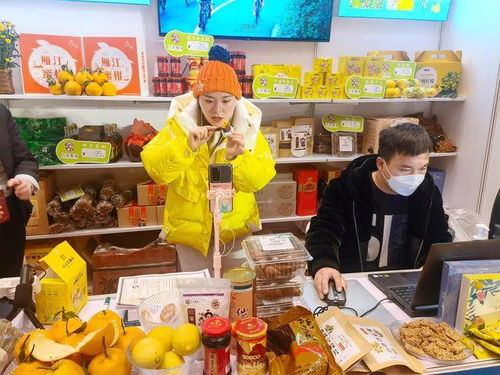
column 203, row 299
column 296, row 346
column 8, row 338
column 414, row 92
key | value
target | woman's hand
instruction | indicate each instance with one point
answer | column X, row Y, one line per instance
column 199, row 136
column 235, row 145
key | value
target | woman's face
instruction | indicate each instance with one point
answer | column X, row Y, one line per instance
column 217, row 107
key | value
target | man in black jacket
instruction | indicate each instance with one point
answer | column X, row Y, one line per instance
column 18, row 180
column 383, row 212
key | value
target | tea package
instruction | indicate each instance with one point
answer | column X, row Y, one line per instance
column 204, row 299
column 296, row 346
column 386, row 351
column 347, row 344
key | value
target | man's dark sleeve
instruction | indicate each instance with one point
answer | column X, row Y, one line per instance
column 437, row 232
column 24, row 161
column 324, row 238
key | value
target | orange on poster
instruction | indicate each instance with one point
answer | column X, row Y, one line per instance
column 117, row 56
column 43, row 55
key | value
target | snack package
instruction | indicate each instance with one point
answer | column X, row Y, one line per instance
column 108, row 189
column 414, row 92
column 486, row 337
column 347, row 344
column 8, row 338
column 200, row 301
column 296, row 346
column 386, row 351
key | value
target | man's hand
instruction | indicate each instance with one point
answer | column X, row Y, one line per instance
column 199, row 136
column 323, row 276
column 235, row 145
column 22, row 188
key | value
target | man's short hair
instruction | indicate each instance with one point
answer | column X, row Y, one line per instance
column 406, row 139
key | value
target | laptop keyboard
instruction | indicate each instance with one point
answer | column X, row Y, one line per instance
column 406, row 293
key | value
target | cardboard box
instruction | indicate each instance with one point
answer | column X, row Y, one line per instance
column 440, row 69
column 309, row 92
column 36, row 250
column 333, row 79
column 374, row 67
column 39, row 220
column 327, row 173
column 351, row 65
column 307, row 190
column 65, row 284
column 151, row 194
column 390, row 55
column 160, row 214
column 313, row 79
column 373, row 127
column 137, row 216
column 278, row 191
column 323, row 65
column 269, row 210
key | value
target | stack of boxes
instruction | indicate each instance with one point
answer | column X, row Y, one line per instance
column 321, row 83
column 278, row 70
column 278, row 198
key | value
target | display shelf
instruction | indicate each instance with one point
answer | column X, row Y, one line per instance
column 286, row 219
column 315, row 158
column 162, row 99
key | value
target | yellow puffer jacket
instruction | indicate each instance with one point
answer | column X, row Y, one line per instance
column 169, row 160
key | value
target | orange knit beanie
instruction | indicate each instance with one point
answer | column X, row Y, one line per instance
column 217, row 75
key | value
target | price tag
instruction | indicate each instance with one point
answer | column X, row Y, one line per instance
column 70, row 151
column 399, row 70
column 179, row 44
column 338, row 123
column 274, row 243
column 365, row 87
column 266, row 86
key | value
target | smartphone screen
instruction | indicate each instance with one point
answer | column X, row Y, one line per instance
column 220, row 177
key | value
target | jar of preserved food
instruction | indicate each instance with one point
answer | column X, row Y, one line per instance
column 251, row 336
column 216, row 336
column 156, row 86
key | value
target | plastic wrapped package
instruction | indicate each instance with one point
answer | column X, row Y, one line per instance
column 141, row 134
column 54, row 207
column 278, row 292
column 61, row 228
column 82, row 207
column 108, row 189
column 93, row 189
column 8, row 338
column 465, row 225
column 61, row 217
column 104, row 208
column 121, row 199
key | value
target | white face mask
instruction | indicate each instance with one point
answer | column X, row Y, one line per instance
column 404, row 185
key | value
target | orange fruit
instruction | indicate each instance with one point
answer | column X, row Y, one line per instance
column 62, row 328
column 112, row 361
column 20, row 349
column 129, row 334
column 66, row 367
column 102, row 318
column 73, row 340
column 92, row 343
column 32, row 368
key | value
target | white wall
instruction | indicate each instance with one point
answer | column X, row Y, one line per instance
column 473, row 28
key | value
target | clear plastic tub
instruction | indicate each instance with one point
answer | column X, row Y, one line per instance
column 276, row 256
column 272, row 311
column 279, row 292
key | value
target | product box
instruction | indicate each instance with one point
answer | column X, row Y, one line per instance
column 323, row 65
column 333, row 79
column 39, row 220
column 327, row 173
column 64, row 286
column 160, row 214
column 272, row 136
column 131, row 257
column 274, row 209
column 390, row 55
column 309, row 92
column 280, row 189
column 438, row 176
column 313, row 79
column 137, row 216
column 440, row 69
column 307, row 190
column 373, row 127
column 302, row 136
column 283, row 71
column 151, row 194
column 285, row 138
column 351, row 65
column 338, row 92
column 374, row 67
column 36, row 250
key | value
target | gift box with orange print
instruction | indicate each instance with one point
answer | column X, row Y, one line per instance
column 64, row 285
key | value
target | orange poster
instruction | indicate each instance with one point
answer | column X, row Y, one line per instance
column 117, row 56
column 42, row 57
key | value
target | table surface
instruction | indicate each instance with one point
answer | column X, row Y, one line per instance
column 387, row 313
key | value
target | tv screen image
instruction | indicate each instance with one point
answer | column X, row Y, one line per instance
column 248, row 19
column 135, row 2
column 427, row 10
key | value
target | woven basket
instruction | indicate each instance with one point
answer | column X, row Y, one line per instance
column 6, row 84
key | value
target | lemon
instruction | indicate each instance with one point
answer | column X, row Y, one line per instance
column 108, row 89
column 72, row 88
column 164, row 334
column 391, row 83
column 171, row 360
column 186, row 340
column 93, row 89
column 148, row 353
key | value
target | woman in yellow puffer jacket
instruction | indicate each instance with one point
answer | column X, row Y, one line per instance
column 193, row 139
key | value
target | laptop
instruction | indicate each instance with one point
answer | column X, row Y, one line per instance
column 417, row 292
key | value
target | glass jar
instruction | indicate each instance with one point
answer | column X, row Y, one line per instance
column 175, row 67
column 251, row 336
column 216, row 336
column 246, row 86
column 156, row 86
column 238, row 62
column 344, row 144
column 176, row 87
column 163, row 66
column 164, row 90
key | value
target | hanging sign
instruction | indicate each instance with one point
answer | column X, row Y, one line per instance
column 70, row 151
column 339, row 123
column 266, row 86
column 179, row 44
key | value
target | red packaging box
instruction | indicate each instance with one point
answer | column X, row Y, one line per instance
column 307, row 190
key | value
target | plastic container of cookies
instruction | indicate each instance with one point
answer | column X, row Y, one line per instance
column 447, row 335
column 276, row 256
column 161, row 309
column 272, row 311
column 268, row 293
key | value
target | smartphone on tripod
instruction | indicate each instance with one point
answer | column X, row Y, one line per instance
column 220, row 178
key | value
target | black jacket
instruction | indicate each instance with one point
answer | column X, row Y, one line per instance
column 344, row 219
column 15, row 156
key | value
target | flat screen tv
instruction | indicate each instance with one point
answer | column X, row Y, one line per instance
column 426, row 10
column 135, row 2
column 306, row 20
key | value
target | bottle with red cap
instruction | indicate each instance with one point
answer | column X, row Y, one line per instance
column 216, row 337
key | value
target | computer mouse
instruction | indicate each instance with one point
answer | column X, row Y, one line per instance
column 334, row 298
